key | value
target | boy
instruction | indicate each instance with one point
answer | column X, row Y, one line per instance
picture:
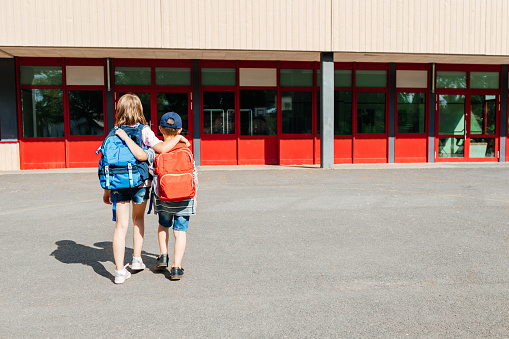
column 170, row 213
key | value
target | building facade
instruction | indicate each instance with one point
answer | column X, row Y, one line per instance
column 257, row 81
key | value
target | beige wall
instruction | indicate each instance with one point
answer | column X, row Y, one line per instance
column 459, row 27
column 9, row 157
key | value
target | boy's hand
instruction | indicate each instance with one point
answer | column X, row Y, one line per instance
column 185, row 141
column 121, row 134
column 107, row 196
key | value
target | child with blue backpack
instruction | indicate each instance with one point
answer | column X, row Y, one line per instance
column 128, row 180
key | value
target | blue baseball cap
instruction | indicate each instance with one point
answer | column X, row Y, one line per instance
column 177, row 122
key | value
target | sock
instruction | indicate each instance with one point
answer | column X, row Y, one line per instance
column 121, row 272
column 136, row 259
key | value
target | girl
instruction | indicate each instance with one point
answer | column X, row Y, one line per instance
column 129, row 113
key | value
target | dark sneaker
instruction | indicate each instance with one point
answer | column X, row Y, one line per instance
column 176, row 273
column 162, row 261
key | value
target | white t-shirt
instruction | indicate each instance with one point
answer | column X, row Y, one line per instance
column 149, row 139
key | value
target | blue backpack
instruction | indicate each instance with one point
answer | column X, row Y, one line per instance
column 118, row 168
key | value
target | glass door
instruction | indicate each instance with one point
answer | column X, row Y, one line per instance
column 467, row 126
column 145, row 103
column 178, row 103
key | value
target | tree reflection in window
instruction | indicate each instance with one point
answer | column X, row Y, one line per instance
column 86, row 116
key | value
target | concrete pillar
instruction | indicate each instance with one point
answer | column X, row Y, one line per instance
column 503, row 114
column 327, row 110
column 392, row 109
column 8, row 111
column 431, row 115
column 196, row 111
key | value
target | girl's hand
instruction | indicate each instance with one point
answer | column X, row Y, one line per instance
column 185, row 141
column 121, row 134
column 107, row 196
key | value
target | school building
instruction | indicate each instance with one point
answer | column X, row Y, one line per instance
column 258, row 81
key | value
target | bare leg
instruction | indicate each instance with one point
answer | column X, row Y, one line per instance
column 180, row 247
column 120, row 234
column 139, row 227
column 163, row 235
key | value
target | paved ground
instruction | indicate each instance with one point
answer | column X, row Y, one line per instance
column 384, row 251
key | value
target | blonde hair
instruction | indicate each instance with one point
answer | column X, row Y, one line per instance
column 129, row 111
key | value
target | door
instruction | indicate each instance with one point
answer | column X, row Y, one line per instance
column 467, row 127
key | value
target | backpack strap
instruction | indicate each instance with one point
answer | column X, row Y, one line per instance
column 114, row 206
column 130, row 171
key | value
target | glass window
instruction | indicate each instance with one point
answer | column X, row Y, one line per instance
column 146, row 105
column 370, row 78
column 218, row 76
column 451, row 147
column 450, row 79
column 174, row 102
column 342, row 78
column 342, row 112
column 484, row 114
column 258, row 112
column 411, row 112
column 133, row 76
column 219, row 112
column 173, row 76
column 296, row 77
column 370, row 112
column 40, row 75
column 85, row 75
column 411, row 79
column 297, row 112
column 86, row 116
column 482, row 148
column 451, row 114
column 484, row 80
column 42, row 112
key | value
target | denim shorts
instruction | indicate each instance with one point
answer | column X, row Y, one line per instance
column 180, row 223
column 136, row 194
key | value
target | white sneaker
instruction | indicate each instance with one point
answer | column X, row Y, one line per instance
column 137, row 264
column 120, row 278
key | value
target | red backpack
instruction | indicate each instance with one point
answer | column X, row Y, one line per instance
column 175, row 171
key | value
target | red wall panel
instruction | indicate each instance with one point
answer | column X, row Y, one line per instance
column 82, row 153
column 219, row 152
column 407, row 150
column 296, row 151
column 370, row 150
column 261, row 151
column 42, row 154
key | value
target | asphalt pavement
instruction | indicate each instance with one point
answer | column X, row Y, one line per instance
column 361, row 251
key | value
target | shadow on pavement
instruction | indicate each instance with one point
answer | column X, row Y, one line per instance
column 69, row 252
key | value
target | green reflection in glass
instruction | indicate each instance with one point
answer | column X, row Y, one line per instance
column 40, row 75
column 218, row 76
column 296, row 77
column 42, row 113
column 370, row 112
column 482, row 148
column 86, row 115
column 484, row 80
column 451, row 114
column 258, row 112
column 297, row 112
column 140, row 76
column 451, row 79
column 370, row 78
column 484, row 114
column 411, row 112
column 451, row 147
column 173, row 102
column 173, row 76
column 219, row 112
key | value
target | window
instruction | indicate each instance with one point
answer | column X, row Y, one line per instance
column 370, row 112
column 219, row 112
column 43, row 113
column 297, row 112
column 411, row 112
column 258, row 112
column 86, row 116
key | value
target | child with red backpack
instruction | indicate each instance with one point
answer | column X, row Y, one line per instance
column 175, row 182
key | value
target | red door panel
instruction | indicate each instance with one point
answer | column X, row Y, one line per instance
column 370, row 150
column 261, row 151
column 42, row 154
column 82, row 153
column 219, row 152
column 407, row 150
column 296, row 151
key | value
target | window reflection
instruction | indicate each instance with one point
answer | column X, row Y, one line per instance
column 86, row 116
column 484, row 114
column 451, row 114
column 258, row 112
column 173, row 102
column 370, row 112
column 42, row 112
column 297, row 112
column 411, row 112
column 219, row 112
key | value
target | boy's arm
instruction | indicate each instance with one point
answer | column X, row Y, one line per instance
column 137, row 151
column 167, row 145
